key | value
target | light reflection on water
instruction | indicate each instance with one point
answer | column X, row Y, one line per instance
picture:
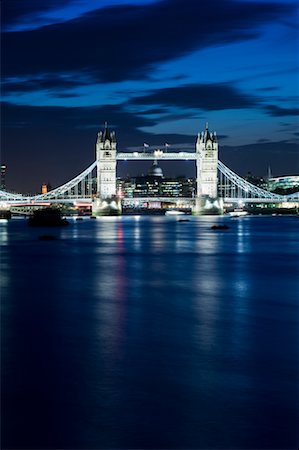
column 148, row 332
column 3, row 232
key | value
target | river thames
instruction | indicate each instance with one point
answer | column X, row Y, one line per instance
column 150, row 333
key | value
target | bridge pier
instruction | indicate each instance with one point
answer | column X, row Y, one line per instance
column 106, row 207
column 206, row 205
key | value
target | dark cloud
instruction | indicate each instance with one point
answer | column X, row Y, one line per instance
column 35, row 117
column 124, row 42
column 216, row 96
column 269, row 88
column 18, row 11
column 276, row 111
column 47, row 82
column 153, row 111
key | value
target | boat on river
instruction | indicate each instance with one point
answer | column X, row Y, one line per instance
column 174, row 212
column 238, row 212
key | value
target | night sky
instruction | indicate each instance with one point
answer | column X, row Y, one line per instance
column 156, row 70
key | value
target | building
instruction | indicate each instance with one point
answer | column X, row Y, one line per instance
column 154, row 184
column 286, row 184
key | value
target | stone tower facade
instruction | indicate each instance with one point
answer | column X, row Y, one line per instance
column 207, row 161
column 106, row 163
column 106, row 202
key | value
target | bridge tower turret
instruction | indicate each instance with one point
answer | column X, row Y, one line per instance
column 206, row 165
column 106, row 202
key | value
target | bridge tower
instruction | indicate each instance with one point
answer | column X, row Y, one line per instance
column 206, row 166
column 106, row 202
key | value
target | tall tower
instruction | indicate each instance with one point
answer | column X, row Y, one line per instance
column 207, row 162
column 2, row 177
column 106, row 202
column 106, row 163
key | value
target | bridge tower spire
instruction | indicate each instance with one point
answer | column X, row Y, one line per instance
column 206, row 166
column 106, row 202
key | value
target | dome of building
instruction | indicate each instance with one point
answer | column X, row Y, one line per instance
column 155, row 170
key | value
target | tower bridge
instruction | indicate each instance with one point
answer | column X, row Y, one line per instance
column 215, row 182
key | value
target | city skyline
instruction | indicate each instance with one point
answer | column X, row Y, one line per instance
column 156, row 71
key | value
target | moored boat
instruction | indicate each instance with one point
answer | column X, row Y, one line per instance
column 238, row 212
column 174, row 212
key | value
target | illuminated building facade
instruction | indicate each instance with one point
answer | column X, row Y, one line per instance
column 283, row 183
column 156, row 185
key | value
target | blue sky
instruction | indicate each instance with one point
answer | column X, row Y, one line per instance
column 156, row 71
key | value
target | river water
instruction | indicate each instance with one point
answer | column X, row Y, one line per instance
column 146, row 332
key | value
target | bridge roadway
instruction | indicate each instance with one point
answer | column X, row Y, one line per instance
column 87, row 201
column 157, row 154
column 192, row 200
